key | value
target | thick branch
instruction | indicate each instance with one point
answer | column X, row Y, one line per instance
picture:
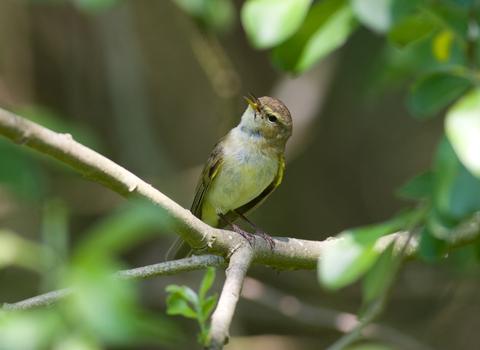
column 290, row 253
column 101, row 169
column 223, row 314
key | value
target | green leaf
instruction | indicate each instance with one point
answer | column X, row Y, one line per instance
column 439, row 224
column 432, row 249
column 177, row 305
column 207, row 282
column 410, row 29
column 456, row 190
column 434, row 91
column 185, row 292
column 377, row 280
column 208, row 305
column 462, row 127
column 381, row 15
column 352, row 256
column 327, row 26
column 271, row 22
column 421, row 186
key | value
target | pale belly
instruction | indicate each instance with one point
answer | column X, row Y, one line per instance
column 240, row 180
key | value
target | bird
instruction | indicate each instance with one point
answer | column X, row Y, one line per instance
column 244, row 168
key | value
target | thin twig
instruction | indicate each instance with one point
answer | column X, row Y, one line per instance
column 171, row 267
column 223, row 314
column 166, row 268
column 42, row 300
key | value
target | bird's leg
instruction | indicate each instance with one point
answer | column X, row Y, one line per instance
column 257, row 230
column 248, row 236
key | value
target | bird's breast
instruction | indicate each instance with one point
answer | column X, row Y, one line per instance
column 248, row 168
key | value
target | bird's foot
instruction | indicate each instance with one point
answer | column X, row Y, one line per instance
column 248, row 236
column 266, row 237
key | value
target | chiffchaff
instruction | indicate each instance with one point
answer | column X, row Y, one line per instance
column 244, row 168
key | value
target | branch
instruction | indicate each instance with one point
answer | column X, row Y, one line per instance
column 290, row 253
column 223, row 314
column 100, row 169
column 46, row 299
column 166, row 268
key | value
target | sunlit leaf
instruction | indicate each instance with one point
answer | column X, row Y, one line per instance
column 185, row 292
column 434, row 91
column 177, row 305
column 327, row 27
column 351, row 257
column 462, row 127
column 376, row 15
column 442, row 45
column 271, row 22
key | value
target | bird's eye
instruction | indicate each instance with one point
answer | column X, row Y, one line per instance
column 272, row 118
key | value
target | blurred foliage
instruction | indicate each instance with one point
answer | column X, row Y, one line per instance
column 434, row 44
column 354, row 255
column 270, row 22
column 430, row 49
column 102, row 312
column 216, row 15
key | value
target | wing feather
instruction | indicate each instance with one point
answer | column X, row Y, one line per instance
column 210, row 169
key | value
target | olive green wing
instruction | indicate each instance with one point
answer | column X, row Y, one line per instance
column 180, row 248
column 210, row 169
column 253, row 204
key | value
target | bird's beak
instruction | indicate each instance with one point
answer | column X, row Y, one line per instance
column 253, row 102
